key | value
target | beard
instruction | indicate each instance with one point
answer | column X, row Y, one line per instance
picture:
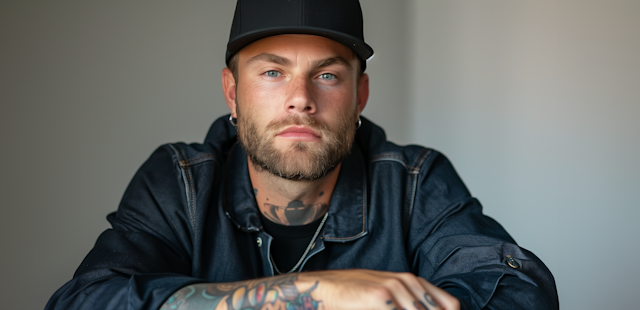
column 298, row 161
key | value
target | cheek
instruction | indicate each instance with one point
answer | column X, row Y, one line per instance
column 257, row 98
column 336, row 98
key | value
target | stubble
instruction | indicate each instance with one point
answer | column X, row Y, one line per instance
column 303, row 161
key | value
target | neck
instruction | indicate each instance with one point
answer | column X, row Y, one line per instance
column 288, row 202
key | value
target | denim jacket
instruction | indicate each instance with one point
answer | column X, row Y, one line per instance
column 190, row 216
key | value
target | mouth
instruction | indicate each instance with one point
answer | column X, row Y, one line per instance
column 299, row 133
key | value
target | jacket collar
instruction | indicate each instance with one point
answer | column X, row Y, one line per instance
column 347, row 218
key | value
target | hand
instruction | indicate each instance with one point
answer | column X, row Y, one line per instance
column 370, row 289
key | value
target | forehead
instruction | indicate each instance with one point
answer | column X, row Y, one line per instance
column 297, row 47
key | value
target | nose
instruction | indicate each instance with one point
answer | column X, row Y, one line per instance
column 301, row 96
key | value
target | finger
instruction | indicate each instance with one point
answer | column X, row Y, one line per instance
column 416, row 297
column 439, row 296
column 401, row 294
column 422, row 298
column 389, row 288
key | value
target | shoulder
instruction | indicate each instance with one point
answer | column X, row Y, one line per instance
column 425, row 174
column 215, row 148
column 170, row 178
column 376, row 148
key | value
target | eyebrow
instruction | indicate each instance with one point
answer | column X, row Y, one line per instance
column 270, row 58
column 286, row 62
column 332, row 60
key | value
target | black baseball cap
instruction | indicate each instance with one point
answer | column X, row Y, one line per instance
column 339, row 20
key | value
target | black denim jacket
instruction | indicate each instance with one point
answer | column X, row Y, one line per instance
column 190, row 216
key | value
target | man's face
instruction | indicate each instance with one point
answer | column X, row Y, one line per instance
column 297, row 104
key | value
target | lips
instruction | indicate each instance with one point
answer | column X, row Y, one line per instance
column 299, row 133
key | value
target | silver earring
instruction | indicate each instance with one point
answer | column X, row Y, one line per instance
column 233, row 121
column 359, row 123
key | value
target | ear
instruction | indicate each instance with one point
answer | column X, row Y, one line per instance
column 363, row 92
column 229, row 90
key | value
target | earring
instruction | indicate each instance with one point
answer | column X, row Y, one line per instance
column 359, row 123
column 233, row 121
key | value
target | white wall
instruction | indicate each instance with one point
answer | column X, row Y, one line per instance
column 534, row 101
column 537, row 104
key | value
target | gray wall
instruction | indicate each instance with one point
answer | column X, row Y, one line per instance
column 537, row 104
column 534, row 101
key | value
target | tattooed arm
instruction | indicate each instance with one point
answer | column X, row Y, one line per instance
column 335, row 289
column 278, row 292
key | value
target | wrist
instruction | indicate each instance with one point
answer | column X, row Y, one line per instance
column 311, row 290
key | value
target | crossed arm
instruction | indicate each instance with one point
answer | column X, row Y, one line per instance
column 335, row 289
column 138, row 264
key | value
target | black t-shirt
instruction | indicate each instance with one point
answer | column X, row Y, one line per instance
column 290, row 242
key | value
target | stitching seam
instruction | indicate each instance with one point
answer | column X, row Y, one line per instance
column 198, row 159
column 188, row 183
column 414, row 174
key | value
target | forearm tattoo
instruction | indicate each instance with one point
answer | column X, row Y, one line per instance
column 267, row 293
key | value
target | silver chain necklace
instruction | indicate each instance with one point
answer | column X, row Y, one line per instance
column 311, row 243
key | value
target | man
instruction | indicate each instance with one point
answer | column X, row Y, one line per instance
column 303, row 205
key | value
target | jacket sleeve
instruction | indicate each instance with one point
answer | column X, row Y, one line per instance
column 468, row 254
column 146, row 256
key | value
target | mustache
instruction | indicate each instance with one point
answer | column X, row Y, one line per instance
column 297, row 120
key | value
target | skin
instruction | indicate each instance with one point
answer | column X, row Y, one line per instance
column 295, row 74
column 271, row 90
column 331, row 289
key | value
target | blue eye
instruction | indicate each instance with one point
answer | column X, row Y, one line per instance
column 327, row 76
column 272, row 73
